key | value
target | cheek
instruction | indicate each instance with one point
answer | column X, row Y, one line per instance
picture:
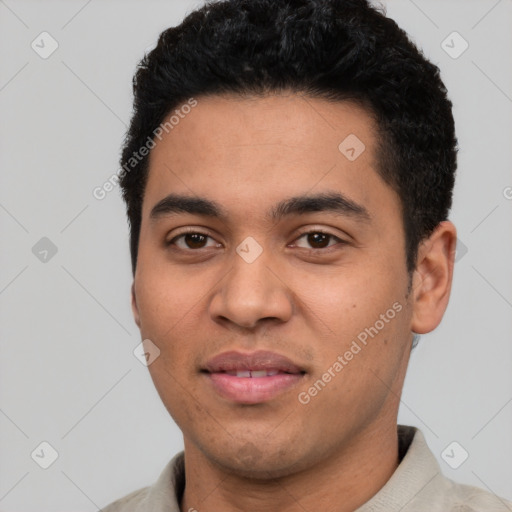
column 360, row 371
column 362, row 318
column 164, row 298
column 176, row 391
column 346, row 300
column 168, row 310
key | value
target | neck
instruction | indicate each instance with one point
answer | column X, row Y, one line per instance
column 348, row 478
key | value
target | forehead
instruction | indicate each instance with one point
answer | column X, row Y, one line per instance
column 294, row 121
column 256, row 150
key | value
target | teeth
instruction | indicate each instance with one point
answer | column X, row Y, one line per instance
column 253, row 373
column 259, row 373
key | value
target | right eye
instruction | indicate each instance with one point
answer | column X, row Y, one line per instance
column 191, row 240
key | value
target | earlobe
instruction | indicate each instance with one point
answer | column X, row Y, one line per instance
column 135, row 308
column 432, row 278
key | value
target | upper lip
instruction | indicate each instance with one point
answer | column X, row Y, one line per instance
column 260, row 360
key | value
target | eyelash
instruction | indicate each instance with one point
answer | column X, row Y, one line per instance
column 314, row 231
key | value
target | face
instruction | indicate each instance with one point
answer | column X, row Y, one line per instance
column 279, row 302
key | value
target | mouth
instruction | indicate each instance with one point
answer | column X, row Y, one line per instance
column 254, row 374
column 252, row 378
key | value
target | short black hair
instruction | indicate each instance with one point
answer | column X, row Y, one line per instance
column 332, row 49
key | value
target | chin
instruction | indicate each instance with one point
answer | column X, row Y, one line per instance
column 257, row 460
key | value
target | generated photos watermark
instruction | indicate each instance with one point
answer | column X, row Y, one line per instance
column 355, row 348
column 100, row 192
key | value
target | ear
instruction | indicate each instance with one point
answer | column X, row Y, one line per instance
column 135, row 308
column 432, row 279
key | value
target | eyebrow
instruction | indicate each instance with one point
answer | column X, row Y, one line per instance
column 331, row 202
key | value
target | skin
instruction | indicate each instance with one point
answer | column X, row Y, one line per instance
column 303, row 299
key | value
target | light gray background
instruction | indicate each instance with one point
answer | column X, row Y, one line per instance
column 68, row 373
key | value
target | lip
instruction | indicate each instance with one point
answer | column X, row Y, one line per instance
column 281, row 375
column 260, row 360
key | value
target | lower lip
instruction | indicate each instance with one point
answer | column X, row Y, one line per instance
column 252, row 390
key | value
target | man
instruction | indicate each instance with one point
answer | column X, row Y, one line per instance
column 288, row 174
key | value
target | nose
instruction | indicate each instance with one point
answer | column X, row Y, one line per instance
column 252, row 292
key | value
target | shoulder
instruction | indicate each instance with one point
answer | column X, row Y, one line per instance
column 129, row 503
column 419, row 485
column 467, row 498
column 162, row 496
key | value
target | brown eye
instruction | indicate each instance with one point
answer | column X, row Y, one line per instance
column 194, row 240
column 319, row 239
column 191, row 240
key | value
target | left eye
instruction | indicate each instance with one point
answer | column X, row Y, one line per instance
column 319, row 239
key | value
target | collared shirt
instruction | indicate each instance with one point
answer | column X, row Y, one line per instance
column 417, row 485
